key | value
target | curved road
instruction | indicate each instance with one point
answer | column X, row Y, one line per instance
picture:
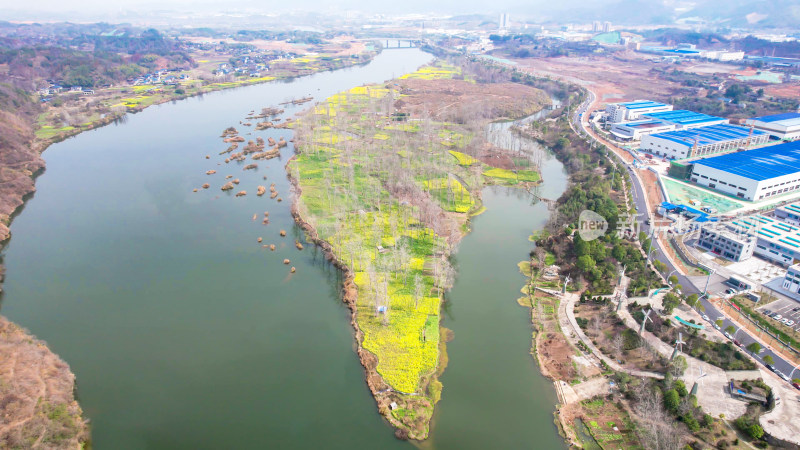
column 688, row 287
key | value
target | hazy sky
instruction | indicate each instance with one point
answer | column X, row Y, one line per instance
column 779, row 13
column 204, row 6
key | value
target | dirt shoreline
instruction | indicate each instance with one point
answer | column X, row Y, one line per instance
column 37, row 396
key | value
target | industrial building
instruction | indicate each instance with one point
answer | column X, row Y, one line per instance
column 781, row 126
column 691, row 51
column 621, row 112
column 636, row 129
column 776, row 241
column 752, row 174
column 789, row 213
column 726, row 243
column 683, row 119
column 702, row 141
column 791, row 281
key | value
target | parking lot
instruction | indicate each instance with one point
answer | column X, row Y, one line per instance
column 786, row 308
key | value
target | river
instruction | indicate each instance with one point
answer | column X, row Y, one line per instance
column 184, row 332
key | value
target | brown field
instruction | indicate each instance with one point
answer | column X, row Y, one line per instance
column 789, row 90
column 709, row 68
column 623, row 76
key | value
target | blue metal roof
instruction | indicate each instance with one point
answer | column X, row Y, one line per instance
column 642, row 104
column 699, row 216
column 759, row 164
column 683, row 51
column 683, row 117
column 711, row 134
column 778, row 117
column 647, row 123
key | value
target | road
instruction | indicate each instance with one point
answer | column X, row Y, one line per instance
column 580, row 120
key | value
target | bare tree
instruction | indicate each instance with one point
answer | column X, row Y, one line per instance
column 419, row 290
column 617, row 345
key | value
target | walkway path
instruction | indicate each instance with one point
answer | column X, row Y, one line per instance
column 588, row 389
column 566, row 318
column 711, row 393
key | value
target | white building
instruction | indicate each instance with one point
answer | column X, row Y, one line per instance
column 791, row 281
column 781, row 126
column 504, row 21
column 702, row 141
column 776, row 241
column 753, row 174
column 726, row 243
column 621, row 112
column 636, row 129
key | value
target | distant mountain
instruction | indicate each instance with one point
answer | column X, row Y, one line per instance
column 734, row 13
column 749, row 13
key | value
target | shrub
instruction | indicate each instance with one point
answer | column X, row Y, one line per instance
column 755, row 431
column 691, row 422
column 672, row 400
column 680, row 386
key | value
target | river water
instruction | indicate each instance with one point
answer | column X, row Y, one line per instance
column 184, row 332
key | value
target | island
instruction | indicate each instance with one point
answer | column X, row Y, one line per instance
column 388, row 178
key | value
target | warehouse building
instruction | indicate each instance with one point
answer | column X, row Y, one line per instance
column 637, row 129
column 621, row 112
column 780, row 126
column 683, row 119
column 726, row 243
column 702, row 141
column 753, row 174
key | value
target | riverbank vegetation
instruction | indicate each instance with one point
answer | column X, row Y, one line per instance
column 388, row 176
column 610, row 334
column 648, row 412
column 37, row 400
column 597, row 185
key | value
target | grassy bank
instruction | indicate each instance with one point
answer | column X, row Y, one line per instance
column 390, row 187
column 71, row 114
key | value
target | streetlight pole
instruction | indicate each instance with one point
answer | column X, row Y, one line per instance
column 792, row 373
column 705, row 289
column 668, row 276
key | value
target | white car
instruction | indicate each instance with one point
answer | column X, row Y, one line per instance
column 705, row 317
column 728, row 336
column 790, row 323
column 716, row 326
column 778, row 317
